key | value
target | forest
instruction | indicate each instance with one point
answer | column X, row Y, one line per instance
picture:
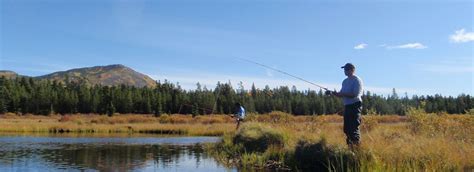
column 24, row 95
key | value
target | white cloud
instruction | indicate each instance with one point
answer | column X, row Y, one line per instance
column 360, row 46
column 461, row 36
column 415, row 45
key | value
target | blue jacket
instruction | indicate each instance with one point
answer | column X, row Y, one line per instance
column 241, row 113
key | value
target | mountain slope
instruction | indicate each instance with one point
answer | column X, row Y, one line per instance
column 8, row 74
column 104, row 75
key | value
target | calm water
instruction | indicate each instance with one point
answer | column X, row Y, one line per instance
column 60, row 153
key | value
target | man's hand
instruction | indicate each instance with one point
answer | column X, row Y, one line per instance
column 328, row 92
column 334, row 93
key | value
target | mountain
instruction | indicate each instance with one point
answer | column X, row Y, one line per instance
column 104, row 75
column 8, row 74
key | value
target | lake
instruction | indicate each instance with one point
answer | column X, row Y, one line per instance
column 106, row 153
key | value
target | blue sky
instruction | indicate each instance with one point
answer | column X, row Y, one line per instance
column 418, row 47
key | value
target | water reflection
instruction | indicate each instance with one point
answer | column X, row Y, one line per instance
column 106, row 154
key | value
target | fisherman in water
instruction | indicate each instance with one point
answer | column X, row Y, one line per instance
column 239, row 115
column 351, row 93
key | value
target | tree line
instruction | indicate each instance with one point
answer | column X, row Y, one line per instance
column 27, row 95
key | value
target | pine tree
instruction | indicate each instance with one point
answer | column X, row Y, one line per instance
column 195, row 109
column 3, row 108
column 147, row 106
column 158, row 106
column 110, row 109
column 3, row 98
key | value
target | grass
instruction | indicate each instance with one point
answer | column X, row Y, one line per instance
column 416, row 142
column 213, row 125
column 258, row 138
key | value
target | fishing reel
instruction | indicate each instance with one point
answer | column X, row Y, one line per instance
column 329, row 92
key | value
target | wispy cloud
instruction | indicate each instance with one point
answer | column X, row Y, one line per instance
column 415, row 45
column 461, row 36
column 361, row 46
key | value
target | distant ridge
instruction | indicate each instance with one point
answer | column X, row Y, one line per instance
column 110, row 75
column 8, row 74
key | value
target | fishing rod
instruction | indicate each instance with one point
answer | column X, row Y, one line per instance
column 328, row 92
column 283, row 72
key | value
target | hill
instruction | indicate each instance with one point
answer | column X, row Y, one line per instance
column 8, row 74
column 104, row 75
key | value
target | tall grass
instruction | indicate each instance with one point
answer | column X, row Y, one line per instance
column 213, row 125
column 417, row 142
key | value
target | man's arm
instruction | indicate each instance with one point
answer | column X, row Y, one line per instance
column 357, row 88
column 339, row 94
column 355, row 91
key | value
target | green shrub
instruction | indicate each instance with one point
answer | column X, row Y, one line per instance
column 257, row 138
column 322, row 157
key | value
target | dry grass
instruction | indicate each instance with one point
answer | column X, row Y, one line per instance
column 418, row 141
column 213, row 125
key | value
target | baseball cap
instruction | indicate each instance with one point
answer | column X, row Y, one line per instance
column 348, row 66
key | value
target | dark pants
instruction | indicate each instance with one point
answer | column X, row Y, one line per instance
column 352, row 121
column 239, row 120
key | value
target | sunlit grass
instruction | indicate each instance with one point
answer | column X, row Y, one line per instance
column 418, row 141
column 213, row 125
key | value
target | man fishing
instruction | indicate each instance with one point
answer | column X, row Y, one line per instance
column 351, row 93
column 239, row 114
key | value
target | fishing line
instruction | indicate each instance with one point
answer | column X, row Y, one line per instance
column 283, row 72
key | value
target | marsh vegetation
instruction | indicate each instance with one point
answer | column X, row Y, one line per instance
column 418, row 141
